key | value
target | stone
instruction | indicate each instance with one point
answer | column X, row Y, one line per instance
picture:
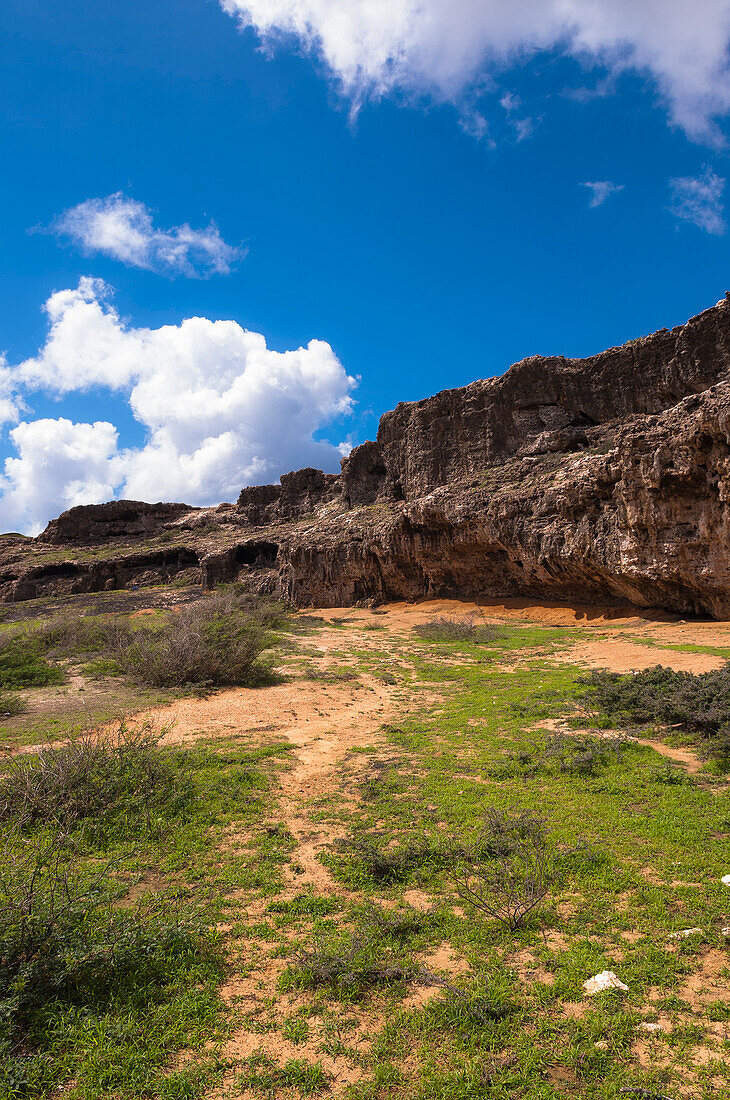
column 603, row 981
column 685, row 933
column 725, row 880
column 119, row 519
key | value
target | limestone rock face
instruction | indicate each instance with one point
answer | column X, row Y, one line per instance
column 604, row 479
column 119, row 519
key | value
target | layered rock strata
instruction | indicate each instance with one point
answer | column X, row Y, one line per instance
column 603, row 479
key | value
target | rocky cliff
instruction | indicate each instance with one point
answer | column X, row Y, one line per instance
column 597, row 479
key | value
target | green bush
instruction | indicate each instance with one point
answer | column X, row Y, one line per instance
column 11, row 704
column 61, row 942
column 215, row 642
column 699, row 703
column 22, row 664
column 92, row 777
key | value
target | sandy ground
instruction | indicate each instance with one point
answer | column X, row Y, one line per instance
column 324, row 721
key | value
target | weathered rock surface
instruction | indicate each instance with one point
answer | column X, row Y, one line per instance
column 119, row 519
column 598, row 479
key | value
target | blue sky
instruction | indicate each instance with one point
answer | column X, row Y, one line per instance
column 415, row 206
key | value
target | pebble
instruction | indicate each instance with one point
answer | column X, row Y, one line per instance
column 725, row 880
column 605, row 980
column 651, row 1027
column 685, row 933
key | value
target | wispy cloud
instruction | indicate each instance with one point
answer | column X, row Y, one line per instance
column 446, row 48
column 698, row 199
column 123, row 228
column 601, row 190
column 511, row 104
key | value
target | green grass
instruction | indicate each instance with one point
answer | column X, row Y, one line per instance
column 132, row 985
column 23, row 664
column 615, row 809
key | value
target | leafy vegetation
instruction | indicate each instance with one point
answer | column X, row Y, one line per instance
column 22, row 664
column 93, row 776
column 699, row 703
column 215, row 642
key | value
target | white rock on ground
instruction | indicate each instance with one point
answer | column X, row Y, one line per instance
column 685, row 932
column 605, row 980
column 726, row 880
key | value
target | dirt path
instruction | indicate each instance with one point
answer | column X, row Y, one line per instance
column 324, row 722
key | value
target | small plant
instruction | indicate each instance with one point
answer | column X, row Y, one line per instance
column 329, row 675
column 443, row 629
column 387, row 863
column 91, row 776
column 353, row 965
column 22, row 664
column 296, row 1029
column 264, row 1075
column 11, row 705
column 511, row 883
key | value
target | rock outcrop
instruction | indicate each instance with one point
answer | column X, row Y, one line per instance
column 604, row 479
column 89, row 524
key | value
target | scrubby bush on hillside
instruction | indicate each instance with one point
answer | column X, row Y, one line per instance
column 69, row 635
column 62, row 942
column 214, row 642
column 23, row 664
column 443, row 629
column 698, row 703
column 119, row 772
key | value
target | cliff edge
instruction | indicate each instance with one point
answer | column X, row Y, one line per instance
column 597, row 479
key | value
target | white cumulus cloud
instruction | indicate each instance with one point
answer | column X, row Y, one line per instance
column 220, row 409
column 698, row 199
column 601, row 190
column 58, row 464
column 447, row 47
column 123, row 228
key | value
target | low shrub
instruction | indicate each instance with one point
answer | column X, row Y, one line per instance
column 356, row 964
column 512, row 881
column 443, row 629
column 68, row 635
column 22, row 664
column 562, row 754
column 214, row 642
column 386, row 863
column 11, row 704
column 699, row 703
column 123, row 771
column 61, row 940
